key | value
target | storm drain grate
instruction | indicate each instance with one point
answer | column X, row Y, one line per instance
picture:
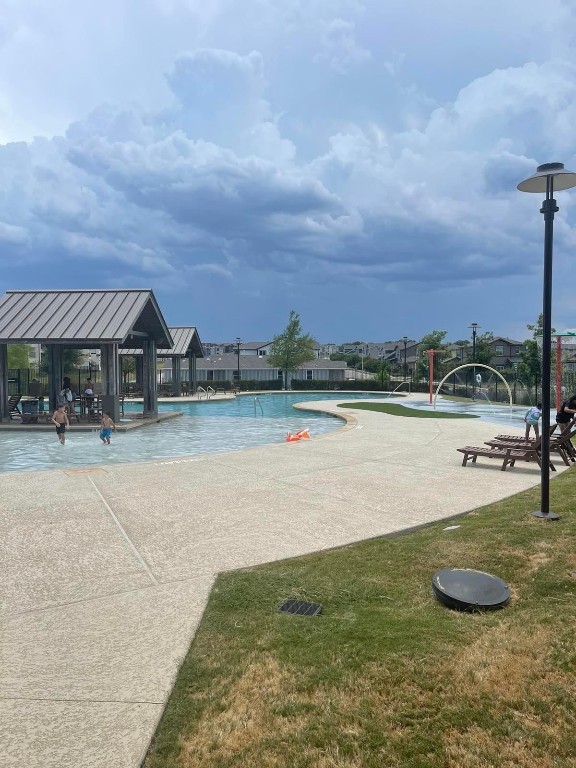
column 300, row 608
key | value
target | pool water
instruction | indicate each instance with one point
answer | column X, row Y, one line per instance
column 207, row 427
column 204, row 427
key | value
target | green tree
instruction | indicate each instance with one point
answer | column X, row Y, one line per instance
column 72, row 359
column 18, row 356
column 351, row 359
column 432, row 340
column 484, row 352
column 291, row 348
column 128, row 367
column 530, row 365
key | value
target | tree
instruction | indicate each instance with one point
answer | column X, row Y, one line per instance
column 484, row 353
column 71, row 360
column 432, row 340
column 351, row 359
column 291, row 348
column 18, row 356
column 128, row 367
column 530, row 365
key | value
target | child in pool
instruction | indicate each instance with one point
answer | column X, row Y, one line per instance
column 106, row 427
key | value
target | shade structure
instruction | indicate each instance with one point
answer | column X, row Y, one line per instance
column 467, row 590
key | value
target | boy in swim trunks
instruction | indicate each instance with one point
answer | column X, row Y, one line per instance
column 60, row 420
column 107, row 425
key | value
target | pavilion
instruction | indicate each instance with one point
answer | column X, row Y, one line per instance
column 108, row 320
column 186, row 347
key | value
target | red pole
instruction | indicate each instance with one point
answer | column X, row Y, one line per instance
column 558, row 372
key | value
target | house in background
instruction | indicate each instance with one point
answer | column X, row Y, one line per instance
column 505, row 352
column 253, row 367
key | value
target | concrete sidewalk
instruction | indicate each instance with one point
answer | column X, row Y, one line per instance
column 106, row 571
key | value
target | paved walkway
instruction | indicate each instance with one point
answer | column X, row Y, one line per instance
column 106, row 571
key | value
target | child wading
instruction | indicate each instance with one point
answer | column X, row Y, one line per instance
column 531, row 420
column 107, row 425
column 60, row 419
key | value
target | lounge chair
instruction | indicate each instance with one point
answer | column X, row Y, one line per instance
column 560, row 443
column 13, row 410
column 508, row 454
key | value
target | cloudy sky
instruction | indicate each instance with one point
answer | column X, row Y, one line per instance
column 354, row 160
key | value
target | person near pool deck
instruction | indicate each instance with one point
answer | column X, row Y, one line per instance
column 60, row 420
column 66, row 395
column 567, row 412
column 107, row 425
column 531, row 419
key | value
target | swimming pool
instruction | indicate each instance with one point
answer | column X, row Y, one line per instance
column 205, row 427
column 208, row 427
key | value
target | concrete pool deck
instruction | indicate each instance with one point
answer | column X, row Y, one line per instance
column 106, row 571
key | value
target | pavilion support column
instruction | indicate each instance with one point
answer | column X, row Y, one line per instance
column 55, row 373
column 110, row 380
column 139, row 370
column 192, row 373
column 176, row 377
column 149, row 383
column 4, row 411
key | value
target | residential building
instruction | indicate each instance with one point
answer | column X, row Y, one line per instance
column 254, row 367
column 505, row 352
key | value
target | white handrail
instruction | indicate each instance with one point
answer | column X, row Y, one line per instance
column 199, row 392
column 209, row 393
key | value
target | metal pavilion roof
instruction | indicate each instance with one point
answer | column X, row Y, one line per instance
column 186, row 339
column 82, row 317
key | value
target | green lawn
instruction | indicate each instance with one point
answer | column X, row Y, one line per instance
column 386, row 676
column 395, row 409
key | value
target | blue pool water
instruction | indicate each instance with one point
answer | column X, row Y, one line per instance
column 205, row 427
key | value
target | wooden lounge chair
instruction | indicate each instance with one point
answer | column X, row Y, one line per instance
column 509, row 454
column 560, row 443
column 13, row 410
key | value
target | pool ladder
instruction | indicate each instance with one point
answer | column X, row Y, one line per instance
column 257, row 400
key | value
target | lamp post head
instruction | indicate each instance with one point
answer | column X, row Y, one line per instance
column 563, row 179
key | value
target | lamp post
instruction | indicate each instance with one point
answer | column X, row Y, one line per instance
column 405, row 340
column 547, row 178
column 474, row 327
column 238, row 341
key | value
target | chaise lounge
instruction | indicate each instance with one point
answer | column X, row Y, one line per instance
column 508, row 454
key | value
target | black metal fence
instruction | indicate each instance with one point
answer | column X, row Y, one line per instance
column 20, row 379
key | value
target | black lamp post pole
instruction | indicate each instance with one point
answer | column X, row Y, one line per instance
column 238, row 340
column 549, row 208
column 405, row 340
column 474, row 326
column 543, row 181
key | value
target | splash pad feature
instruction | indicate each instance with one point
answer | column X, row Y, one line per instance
column 469, row 365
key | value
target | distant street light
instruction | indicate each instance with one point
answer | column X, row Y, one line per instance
column 474, row 327
column 238, row 342
column 405, row 340
column 548, row 177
